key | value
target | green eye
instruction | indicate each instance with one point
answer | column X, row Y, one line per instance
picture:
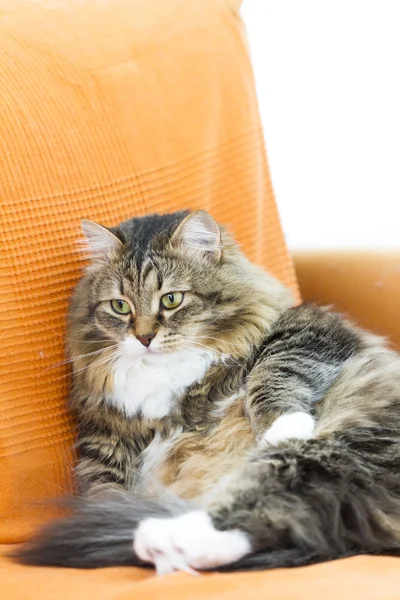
column 172, row 300
column 120, row 307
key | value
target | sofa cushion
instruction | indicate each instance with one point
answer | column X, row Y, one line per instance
column 109, row 109
column 358, row 578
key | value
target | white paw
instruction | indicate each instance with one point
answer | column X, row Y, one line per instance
column 187, row 543
column 298, row 425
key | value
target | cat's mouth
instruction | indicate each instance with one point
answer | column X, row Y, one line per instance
column 133, row 348
column 143, row 352
column 154, row 350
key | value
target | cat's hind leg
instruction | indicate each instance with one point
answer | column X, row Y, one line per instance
column 306, row 501
column 187, row 543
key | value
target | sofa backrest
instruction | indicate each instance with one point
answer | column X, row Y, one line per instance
column 109, row 109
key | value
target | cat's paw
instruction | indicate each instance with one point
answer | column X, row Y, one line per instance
column 187, row 543
column 293, row 426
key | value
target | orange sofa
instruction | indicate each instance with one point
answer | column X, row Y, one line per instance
column 109, row 109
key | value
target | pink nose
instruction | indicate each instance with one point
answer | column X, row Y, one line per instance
column 145, row 339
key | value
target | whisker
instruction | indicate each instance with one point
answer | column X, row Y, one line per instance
column 224, row 357
column 3, row 333
column 70, row 360
column 229, row 345
column 66, row 337
column 220, row 353
column 101, row 361
column 209, row 337
column 221, row 312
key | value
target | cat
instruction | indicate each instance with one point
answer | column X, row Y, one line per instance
column 219, row 426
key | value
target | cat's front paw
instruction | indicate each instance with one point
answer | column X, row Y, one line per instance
column 293, row 426
column 188, row 543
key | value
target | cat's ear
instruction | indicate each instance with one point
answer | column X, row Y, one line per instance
column 198, row 232
column 100, row 241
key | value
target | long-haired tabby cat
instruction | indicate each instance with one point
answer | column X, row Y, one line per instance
column 218, row 425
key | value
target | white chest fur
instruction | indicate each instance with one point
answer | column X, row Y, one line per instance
column 149, row 383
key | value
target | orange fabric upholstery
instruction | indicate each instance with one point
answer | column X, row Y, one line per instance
column 359, row 578
column 109, row 109
column 363, row 285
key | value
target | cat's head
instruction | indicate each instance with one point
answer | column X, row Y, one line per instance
column 165, row 283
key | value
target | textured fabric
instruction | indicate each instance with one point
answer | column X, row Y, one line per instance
column 109, row 109
column 364, row 285
column 359, row 578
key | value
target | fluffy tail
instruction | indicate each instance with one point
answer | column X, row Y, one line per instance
column 98, row 533
column 303, row 503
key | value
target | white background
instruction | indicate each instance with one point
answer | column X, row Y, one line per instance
column 328, row 82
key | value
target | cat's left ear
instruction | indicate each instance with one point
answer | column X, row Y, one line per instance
column 199, row 233
column 100, row 240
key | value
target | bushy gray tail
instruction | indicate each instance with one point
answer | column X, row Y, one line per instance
column 96, row 534
column 303, row 503
column 100, row 534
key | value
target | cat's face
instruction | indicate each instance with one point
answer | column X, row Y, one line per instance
column 157, row 285
column 166, row 283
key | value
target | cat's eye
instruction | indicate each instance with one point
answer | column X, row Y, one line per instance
column 120, row 307
column 172, row 300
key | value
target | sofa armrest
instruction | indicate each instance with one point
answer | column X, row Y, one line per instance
column 364, row 285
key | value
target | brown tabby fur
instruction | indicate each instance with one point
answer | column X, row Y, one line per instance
column 257, row 302
column 335, row 494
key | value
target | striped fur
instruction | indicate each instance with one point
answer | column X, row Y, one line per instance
column 307, row 496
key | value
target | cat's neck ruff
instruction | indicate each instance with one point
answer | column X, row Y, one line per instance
column 150, row 384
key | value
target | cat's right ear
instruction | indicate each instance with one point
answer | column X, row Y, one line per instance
column 99, row 240
column 199, row 233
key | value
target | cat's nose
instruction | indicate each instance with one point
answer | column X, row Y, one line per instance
column 146, row 338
